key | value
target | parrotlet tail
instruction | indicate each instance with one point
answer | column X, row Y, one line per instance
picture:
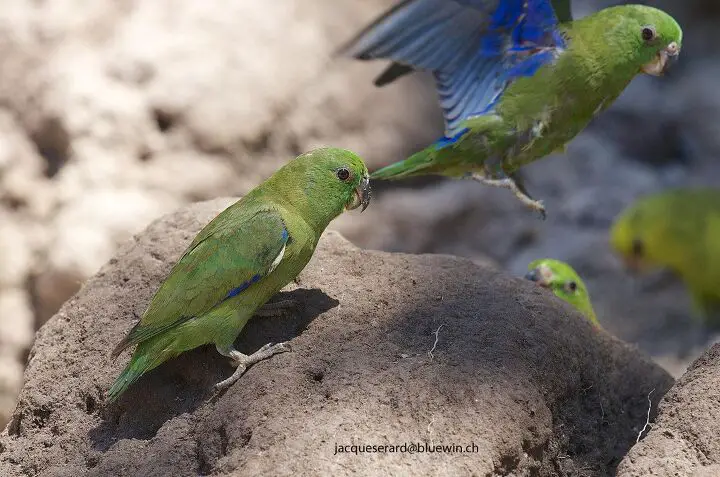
column 130, row 374
column 149, row 355
column 413, row 165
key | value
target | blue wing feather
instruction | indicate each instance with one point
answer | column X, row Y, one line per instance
column 255, row 278
column 529, row 66
column 474, row 48
column 243, row 286
column 408, row 28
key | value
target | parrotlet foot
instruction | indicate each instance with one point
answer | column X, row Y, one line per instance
column 244, row 361
column 508, row 183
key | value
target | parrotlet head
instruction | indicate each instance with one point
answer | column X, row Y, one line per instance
column 657, row 230
column 564, row 282
column 346, row 177
column 635, row 36
column 324, row 182
column 635, row 236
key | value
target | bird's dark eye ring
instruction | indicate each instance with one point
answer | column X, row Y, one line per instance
column 343, row 174
column 572, row 286
column 637, row 248
column 648, row 33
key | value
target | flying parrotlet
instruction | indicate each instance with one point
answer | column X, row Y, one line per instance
column 680, row 230
column 565, row 283
column 516, row 79
column 240, row 260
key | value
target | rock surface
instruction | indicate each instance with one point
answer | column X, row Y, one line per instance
column 685, row 438
column 387, row 349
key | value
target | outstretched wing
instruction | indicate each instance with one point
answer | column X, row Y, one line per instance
column 228, row 256
column 474, row 48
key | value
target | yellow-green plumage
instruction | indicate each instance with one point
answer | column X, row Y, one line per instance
column 680, row 230
column 565, row 283
column 242, row 258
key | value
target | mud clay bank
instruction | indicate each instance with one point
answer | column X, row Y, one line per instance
column 513, row 372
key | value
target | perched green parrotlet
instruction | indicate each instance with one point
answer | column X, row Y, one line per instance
column 516, row 79
column 241, row 259
column 677, row 229
column 565, row 283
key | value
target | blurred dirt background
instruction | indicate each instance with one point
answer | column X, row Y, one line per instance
column 115, row 112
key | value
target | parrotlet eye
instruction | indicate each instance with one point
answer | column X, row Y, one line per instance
column 648, row 33
column 571, row 286
column 637, row 248
column 343, row 174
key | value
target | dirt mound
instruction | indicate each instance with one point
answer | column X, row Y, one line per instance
column 388, row 349
column 684, row 438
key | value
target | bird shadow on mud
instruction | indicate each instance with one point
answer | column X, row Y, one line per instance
column 183, row 384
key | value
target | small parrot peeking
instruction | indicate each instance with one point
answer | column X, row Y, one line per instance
column 680, row 230
column 240, row 260
column 516, row 79
column 565, row 283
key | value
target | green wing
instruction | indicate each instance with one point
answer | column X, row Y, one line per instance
column 230, row 254
column 563, row 10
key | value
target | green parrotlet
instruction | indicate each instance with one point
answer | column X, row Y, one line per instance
column 565, row 283
column 240, row 260
column 516, row 79
column 677, row 229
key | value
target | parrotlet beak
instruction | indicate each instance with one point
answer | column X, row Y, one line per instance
column 362, row 195
column 663, row 60
column 541, row 275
